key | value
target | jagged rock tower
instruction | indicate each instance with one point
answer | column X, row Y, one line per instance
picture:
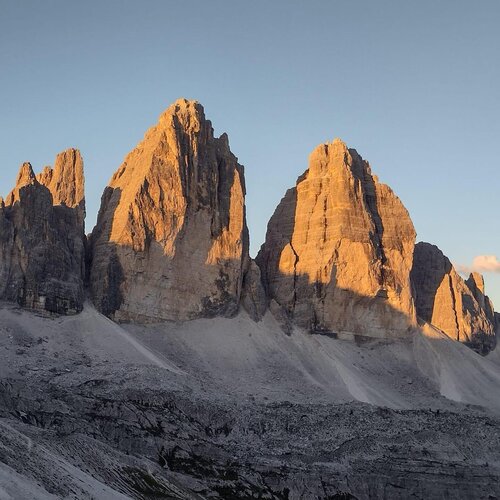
column 171, row 241
column 42, row 237
column 457, row 307
column 339, row 250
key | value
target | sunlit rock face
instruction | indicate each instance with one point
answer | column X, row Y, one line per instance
column 42, row 238
column 339, row 249
column 459, row 308
column 171, row 241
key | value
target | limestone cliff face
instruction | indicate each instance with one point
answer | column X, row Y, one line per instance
column 459, row 308
column 171, row 240
column 253, row 294
column 66, row 181
column 339, row 249
column 42, row 239
column 475, row 283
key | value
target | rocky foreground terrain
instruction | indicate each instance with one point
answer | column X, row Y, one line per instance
column 222, row 408
column 155, row 359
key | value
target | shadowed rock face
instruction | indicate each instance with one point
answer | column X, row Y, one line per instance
column 253, row 295
column 459, row 308
column 42, row 239
column 171, row 239
column 339, row 249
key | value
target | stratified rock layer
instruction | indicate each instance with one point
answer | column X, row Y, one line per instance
column 42, row 239
column 459, row 308
column 339, row 249
column 171, row 240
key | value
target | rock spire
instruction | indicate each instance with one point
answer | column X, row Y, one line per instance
column 339, row 249
column 457, row 307
column 42, row 239
column 171, row 241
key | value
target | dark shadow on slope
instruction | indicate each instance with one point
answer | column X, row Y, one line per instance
column 330, row 310
column 42, row 253
column 327, row 309
column 430, row 266
column 281, row 236
column 104, row 282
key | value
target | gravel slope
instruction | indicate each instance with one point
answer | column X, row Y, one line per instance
column 229, row 408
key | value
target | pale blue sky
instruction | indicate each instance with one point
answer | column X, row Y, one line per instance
column 413, row 86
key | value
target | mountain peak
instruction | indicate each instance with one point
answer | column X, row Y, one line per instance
column 67, row 183
column 25, row 176
column 45, row 243
column 458, row 308
column 476, row 280
column 330, row 149
column 339, row 248
column 183, row 103
column 337, row 156
column 183, row 109
column 176, row 204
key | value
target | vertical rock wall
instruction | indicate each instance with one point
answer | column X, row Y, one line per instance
column 339, row 249
column 171, row 241
column 42, row 239
column 459, row 308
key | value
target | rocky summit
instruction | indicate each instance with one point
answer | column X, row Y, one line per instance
column 339, row 250
column 457, row 307
column 42, row 240
column 171, row 239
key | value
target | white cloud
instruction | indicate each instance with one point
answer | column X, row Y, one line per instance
column 481, row 264
column 486, row 263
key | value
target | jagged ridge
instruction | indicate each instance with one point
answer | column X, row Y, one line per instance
column 42, row 240
column 171, row 243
